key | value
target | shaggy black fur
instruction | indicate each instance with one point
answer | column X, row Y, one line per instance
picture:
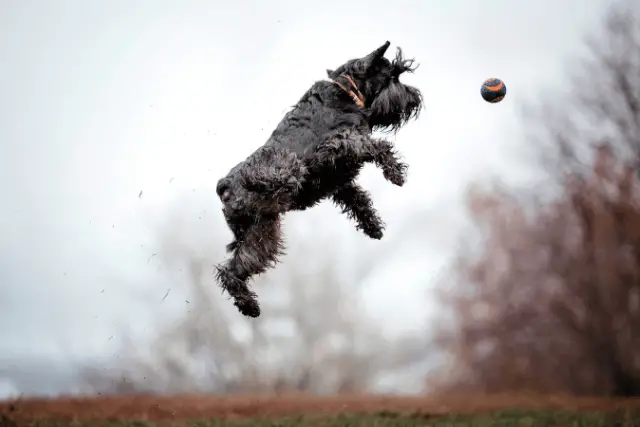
column 316, row 152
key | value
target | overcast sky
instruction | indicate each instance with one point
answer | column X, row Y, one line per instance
column 101, row 100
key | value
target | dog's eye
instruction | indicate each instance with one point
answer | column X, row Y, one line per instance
column 374, row 69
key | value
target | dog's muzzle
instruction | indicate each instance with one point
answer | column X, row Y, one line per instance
column 224, row 193
column 225, row 196
column 223, row 190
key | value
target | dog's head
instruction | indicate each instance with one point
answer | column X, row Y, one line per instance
column 389, row 103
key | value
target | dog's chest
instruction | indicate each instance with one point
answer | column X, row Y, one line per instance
column 322, row 183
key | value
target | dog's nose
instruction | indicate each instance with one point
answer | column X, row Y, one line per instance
column 225, row 196
column 222, row 186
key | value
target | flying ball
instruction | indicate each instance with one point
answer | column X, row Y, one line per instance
column 493, row 90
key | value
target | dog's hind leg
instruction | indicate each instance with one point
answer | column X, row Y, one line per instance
column 257, row 248
column 357, row 204
column 272, row 172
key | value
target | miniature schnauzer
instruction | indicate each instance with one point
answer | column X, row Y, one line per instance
column 316, row 152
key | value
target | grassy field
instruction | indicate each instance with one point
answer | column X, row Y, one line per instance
column 507, row 419
column 289, row 411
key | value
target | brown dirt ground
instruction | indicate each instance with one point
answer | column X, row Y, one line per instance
column 185, row 408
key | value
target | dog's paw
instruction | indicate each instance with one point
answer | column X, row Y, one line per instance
column 375, row 233
column 374, row 229
column 397, row 174
column 248, row 307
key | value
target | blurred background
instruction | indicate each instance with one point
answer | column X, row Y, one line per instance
column 511, row 259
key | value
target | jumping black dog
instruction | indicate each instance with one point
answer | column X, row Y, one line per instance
column 316, row 152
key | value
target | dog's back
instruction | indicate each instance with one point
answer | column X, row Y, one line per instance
column 318, row 115
column 314, row 118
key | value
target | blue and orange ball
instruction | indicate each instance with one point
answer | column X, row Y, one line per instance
column 493, row 90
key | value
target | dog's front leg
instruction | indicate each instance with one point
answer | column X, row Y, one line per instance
column 361, row 148
column 384, row 155
column 357, row 204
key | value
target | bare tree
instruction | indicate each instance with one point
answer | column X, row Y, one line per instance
column 551, row 300
column 602, row 105
column 313, row 335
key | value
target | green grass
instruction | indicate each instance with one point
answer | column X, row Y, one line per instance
column 389, row 419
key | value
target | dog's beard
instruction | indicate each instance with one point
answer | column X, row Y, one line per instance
column 394, row 106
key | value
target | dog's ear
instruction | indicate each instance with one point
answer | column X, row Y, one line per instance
column 376, row 54
column 330, row 73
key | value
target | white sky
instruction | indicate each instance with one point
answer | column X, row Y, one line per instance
column 102, row 99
